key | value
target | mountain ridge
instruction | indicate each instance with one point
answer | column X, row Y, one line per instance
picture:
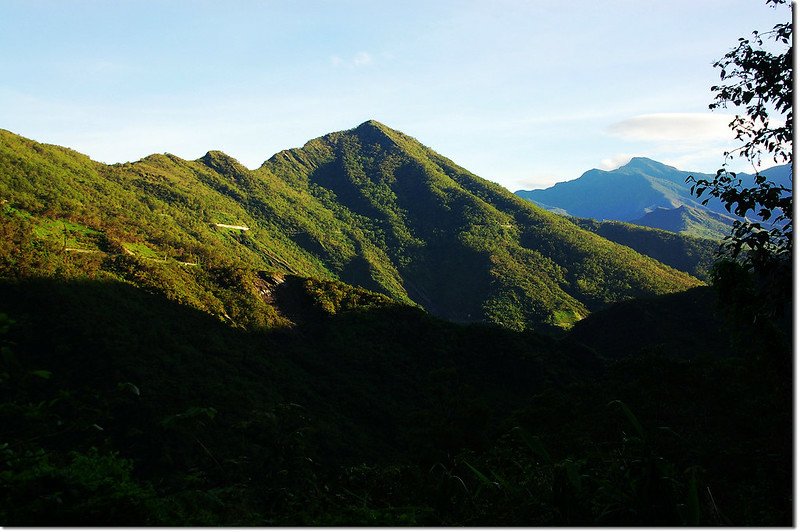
column 640, row 187
column 396, row 173
column 370, row 206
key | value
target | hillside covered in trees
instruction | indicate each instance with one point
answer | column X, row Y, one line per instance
column 361, row 332
column 368, row 206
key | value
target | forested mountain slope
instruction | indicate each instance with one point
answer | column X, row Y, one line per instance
column 681, row 251
column 369, row 206
column 179, row 348
column 464, row 246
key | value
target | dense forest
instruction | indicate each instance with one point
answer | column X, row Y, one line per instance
column 369, row 206
column 360, row 332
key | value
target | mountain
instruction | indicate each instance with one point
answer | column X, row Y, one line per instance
column 688, row 220
column 622, row 194
column 179, row 347
column 683, row 252
column 121, row 407
column 643, row 186
column 369, row 206
column 446, row 229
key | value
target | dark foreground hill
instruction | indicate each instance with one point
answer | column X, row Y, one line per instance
column 124, row 408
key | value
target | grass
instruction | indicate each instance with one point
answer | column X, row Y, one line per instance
column 141, row 250
column 566, row 318
column 221, row 217
column 77, row 235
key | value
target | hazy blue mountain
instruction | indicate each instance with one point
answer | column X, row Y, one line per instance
column 780, row 175
column 623, row 194
column 688, row 220
column 643, row 186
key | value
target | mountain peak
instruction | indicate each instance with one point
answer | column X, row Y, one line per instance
column 643, row 163
column 372, row 127
column 371, row 123
column 215, row 154
column 635, row 161
column 375, row 132
column 221, row 162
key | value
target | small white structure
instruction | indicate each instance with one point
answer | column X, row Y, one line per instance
column 239, row 227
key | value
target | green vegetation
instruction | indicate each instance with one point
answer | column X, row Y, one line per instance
column 73, row 235
column 368, row 206
column 138, row 248
column 683, row 252
column 186, row 374
column 465, row 249
column 136, row 410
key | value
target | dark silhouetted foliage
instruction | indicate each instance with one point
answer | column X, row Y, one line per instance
column 759, row 82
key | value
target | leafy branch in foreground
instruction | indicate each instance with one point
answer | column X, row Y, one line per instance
column 757, row 77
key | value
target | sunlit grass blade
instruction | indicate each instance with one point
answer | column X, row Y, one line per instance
column 694, row 502
column 483, row 478
column 534, row 444
column 631, row 417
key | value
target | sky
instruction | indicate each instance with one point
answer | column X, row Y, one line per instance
column 524, row 93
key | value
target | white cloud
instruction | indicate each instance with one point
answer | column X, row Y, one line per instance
column 686, row 159
column 361, row 59
column 612, row 163
column 689, row 141
column 674, row 127
column 532, row 182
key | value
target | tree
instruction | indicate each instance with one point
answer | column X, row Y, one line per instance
column 754, row 277
column 757, row 77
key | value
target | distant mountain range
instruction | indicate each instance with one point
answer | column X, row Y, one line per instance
column 648, row 193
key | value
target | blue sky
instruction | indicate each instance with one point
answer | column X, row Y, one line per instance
column 524, row 93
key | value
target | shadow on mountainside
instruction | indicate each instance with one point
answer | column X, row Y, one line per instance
column 683, row 325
